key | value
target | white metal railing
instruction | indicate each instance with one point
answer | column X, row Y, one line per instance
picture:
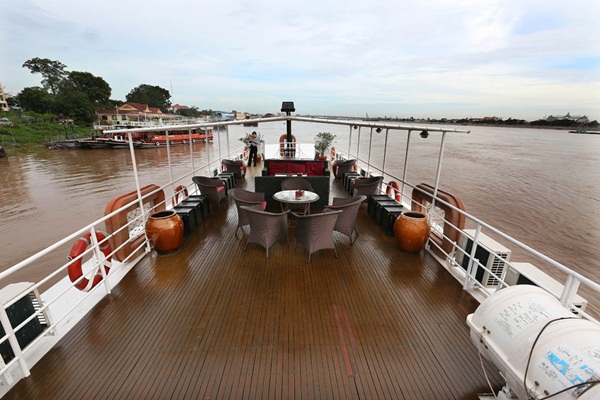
column 571, row 284
column 89, row 270
column 572, row 281
column 468, row 278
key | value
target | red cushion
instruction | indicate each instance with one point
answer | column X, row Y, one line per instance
column 293, row 168
column 219, row 188
column 263, row 204
column 276, row 168
column 315, row 168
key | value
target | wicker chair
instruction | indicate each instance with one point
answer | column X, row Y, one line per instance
column 246, row 198
column 346, row 222
column 213, row 188
column 236, row 166
column 265, row 227
column 296, row 183
column 341, row 167
column 366, row 186
column 315, row 231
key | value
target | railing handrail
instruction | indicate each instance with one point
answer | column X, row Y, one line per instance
column 561, row 267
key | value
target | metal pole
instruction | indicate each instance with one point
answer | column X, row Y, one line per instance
column 439, row 170
column 138, row 188
column 288, row 137
column 349, row 141
column 405, row 169
column 207, row 159
column 218, row 143
column 370, row 149
column 226, row 138
column 169, row 159
column 100, row 260
column 191, row 149
column 358, row 145
column 387, row 131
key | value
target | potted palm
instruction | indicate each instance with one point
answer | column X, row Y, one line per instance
column 323, row 142
column 246, row 140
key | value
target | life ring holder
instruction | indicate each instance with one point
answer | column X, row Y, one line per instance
column 118, row 227
column 184, row 194
column 454, row 221
column 75, row 269
column 393, row 186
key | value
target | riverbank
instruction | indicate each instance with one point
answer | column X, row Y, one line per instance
column 23, row 137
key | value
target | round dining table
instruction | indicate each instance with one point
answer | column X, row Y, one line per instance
column 294, row 197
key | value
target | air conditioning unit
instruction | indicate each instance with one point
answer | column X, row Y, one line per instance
column 17, row 313
column 490, row 254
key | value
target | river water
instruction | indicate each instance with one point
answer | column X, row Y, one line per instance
column 540, row 186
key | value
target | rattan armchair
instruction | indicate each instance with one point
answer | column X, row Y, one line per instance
column 265, row 227
column 315, row 231
column 366, row 186
column 341, row 167
column 213, row 188
column 296, row 183
column 346, row 222
column 236, row 166
column 243, row 197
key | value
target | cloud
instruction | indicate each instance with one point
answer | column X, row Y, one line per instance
column 383, row 57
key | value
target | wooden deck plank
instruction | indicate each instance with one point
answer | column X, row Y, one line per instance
column 212, row 320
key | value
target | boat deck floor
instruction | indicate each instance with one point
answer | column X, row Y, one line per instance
column 214, row 321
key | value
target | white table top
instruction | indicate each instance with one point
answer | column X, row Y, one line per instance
column 289, row 196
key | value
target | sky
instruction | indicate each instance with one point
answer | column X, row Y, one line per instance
column 522, row 59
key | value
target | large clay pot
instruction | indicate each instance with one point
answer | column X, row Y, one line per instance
column 412, row 230
column 165, row 231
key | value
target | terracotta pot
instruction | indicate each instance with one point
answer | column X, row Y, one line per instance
column 412, row 230
column 165, row 231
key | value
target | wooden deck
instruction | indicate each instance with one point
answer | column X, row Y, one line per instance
column 213, row 321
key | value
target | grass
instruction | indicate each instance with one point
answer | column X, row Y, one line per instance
column 26, row 136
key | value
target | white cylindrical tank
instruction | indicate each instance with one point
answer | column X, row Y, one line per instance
column 566, row 352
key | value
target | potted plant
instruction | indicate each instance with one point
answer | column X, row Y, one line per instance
column 323, row 142
column 246, row 139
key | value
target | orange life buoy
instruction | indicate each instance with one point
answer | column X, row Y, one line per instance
column 75, row 270
column 179, row 189
column 393, row 185
column 333, row 154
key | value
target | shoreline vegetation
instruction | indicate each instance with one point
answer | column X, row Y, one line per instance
column 27, row 136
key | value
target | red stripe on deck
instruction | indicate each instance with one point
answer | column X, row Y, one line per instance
column 348, row 327
column 345, row 355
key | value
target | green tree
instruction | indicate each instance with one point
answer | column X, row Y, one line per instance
column 36, row 99
column 191, row 112
column 154, row 96
column 75, row 105
column 96, row 88
column 53, row 72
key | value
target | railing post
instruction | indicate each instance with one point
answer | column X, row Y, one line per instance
column 100, row 259
column 370, row 149
column 387, row 131
column 569, row 291
column 405, row 168
column 12, row 339
column 191, row 149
